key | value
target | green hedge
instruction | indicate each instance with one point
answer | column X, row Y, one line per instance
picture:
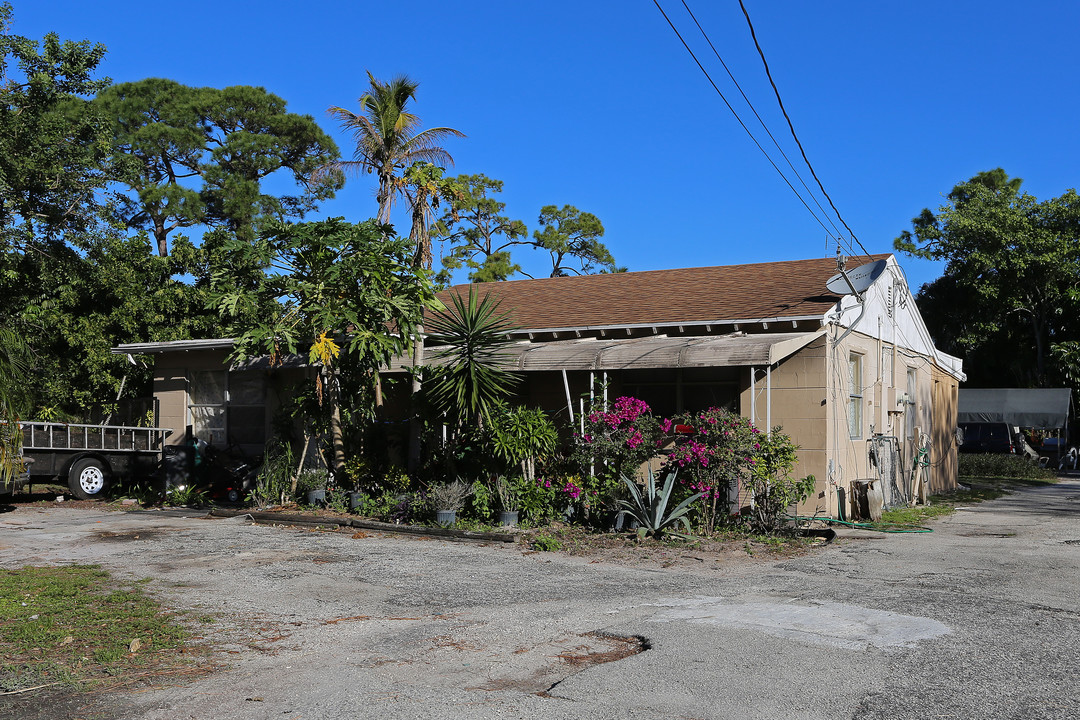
column 1002, row 466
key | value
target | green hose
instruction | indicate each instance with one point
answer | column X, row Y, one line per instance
column 886, row 527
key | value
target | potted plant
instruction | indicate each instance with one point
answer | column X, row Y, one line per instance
column 509, row 500
column 313, row 483
column 447, row 499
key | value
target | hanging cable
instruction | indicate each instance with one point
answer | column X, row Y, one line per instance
column 791, row 127
column 739, row 119
column 760, row 121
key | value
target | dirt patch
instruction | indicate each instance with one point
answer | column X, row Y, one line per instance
column 132, row 536
column 58, row 704
column 624, row 647
column 701, row 554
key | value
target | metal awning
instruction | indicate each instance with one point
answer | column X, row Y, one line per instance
column 148, row 348
column 1043, row 408
column 659, row 351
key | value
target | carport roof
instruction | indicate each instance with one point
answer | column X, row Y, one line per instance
column 1045, row 408
column 738, row 349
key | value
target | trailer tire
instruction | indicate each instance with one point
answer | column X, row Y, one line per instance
column 88, row 478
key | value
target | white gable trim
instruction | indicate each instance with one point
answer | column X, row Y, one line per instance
column 888, row 313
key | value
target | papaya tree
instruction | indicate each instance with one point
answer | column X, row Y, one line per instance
column 345, row 296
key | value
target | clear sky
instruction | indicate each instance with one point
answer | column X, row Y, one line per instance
column 598, row 105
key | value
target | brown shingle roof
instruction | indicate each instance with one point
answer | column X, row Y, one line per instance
column 760, row 291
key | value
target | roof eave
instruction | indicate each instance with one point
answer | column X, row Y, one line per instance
column 150, row 348
column 671, row 324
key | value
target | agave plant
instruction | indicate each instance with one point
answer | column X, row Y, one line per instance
column 650, row 509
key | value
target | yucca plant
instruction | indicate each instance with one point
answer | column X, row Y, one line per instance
column 472, row 381
column 651, row 509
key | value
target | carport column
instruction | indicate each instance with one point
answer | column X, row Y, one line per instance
column 768, row 401
column 753, row 393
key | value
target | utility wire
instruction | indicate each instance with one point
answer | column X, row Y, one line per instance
column 760, row 121
column 741, row 123
column 792, row 128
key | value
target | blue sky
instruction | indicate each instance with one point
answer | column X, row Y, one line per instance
column 598, row 105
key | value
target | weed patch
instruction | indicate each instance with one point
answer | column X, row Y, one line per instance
column 75, row 624
column 979, row 489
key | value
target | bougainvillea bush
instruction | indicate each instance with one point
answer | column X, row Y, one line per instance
column 614, row 442
column 716, row 460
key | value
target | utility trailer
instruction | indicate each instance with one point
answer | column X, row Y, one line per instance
column 87, row 457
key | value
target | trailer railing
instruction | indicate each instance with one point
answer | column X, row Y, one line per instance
column 110, row 438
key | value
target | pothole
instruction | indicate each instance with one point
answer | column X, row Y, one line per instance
column 129, row 536
column 584, row 656
column 596, row 648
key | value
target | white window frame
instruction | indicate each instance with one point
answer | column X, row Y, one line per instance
column 855, row 395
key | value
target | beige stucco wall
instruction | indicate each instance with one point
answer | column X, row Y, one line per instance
column 810, row 401
column 799, row 393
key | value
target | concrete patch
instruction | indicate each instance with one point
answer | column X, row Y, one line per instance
column 819, row 623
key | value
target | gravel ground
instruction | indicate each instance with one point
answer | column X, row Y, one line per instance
column 979, row 619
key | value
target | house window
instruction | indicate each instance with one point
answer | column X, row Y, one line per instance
column 855, row 372
column 909, row 407
column 226, row 408
column 206, row 406
column 247, row 408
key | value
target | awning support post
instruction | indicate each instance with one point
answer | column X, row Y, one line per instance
column 753, row 394
column 569, row 402
column 768, row 401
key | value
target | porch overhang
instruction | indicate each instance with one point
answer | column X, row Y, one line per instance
column 735, row 350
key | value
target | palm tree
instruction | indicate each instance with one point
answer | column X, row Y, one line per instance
column 388, row 138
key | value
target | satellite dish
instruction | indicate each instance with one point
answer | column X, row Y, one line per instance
column 856, row 281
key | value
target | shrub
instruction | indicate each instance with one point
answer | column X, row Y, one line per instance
column 771, row 484
column 273, row 485
column 1003, row 466
column 520, row 436
column 538, row 499
column 449, row 496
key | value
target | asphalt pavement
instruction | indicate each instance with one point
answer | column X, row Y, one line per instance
column 978, row 619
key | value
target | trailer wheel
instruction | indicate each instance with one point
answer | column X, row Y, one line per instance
column 87, row 478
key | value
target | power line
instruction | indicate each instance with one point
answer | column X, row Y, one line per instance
column 737, row 118
column 792, row 128
column 760, row 121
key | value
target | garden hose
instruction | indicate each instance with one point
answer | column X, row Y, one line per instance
column 886, row 527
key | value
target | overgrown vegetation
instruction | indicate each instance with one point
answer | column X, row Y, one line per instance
column 75, row 624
